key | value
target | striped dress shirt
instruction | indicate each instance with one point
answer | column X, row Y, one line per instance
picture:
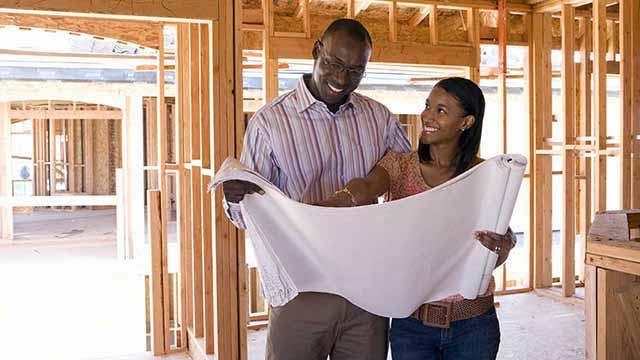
column 308, row 152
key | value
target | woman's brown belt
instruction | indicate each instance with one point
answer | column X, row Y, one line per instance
column 441, row 314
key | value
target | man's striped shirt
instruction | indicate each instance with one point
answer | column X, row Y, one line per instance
column 308, row 152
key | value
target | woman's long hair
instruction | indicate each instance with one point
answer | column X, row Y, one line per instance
column 471, row 100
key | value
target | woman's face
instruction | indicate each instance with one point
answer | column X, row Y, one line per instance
column 443, row 119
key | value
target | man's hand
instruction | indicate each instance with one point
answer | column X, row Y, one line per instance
column 235, row 190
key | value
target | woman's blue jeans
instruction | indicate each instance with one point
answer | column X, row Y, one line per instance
column 477, row 338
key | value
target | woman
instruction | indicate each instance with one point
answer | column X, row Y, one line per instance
column 453, row 328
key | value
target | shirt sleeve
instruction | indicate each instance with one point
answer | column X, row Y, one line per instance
column 395, row 137
column 257, row 155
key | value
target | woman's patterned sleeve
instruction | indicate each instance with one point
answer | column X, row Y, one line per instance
column 391, row 163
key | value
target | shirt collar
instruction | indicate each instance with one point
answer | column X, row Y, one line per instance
column 306, row 99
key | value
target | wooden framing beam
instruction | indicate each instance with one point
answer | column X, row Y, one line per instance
column 88, row 159
column 473, row 24
column 52, row 156
column 229, row 262
column 626, row 98
column 530, row 95
column 600, row 103
column 590, row 310
column 66, row 114
column 157, row 271
column 206, row 154
column 306, row 12
column 568, row 160
column 393, row 21
column 502, row 92
column 464, row 4
column 270, row 60
column 162, row 184
column 196, row 180
column 71, row 171
column 556, row 5
column 181, row 125
column 635, row 114
column 433, row 25
column 542, row 163
column 584, row 82
column 503, row 31
column 351, row 9
column 400, row 52
column 420, row 15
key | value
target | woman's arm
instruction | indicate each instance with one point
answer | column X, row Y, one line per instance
column 361, row 191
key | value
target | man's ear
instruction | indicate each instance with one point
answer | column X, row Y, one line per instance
column 316, row 50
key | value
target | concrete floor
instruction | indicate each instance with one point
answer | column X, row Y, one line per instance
column 66, row 296
column 64, row 293
column 533, row 327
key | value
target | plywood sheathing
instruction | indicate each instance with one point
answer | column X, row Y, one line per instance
column 175, row 10
column 136, row 32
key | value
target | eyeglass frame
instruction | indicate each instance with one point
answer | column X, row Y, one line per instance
column 353, row 74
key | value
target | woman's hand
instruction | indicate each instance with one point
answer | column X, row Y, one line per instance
column 500, row 244
column 338, row 199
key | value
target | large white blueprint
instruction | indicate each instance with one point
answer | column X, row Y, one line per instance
column 386, row 258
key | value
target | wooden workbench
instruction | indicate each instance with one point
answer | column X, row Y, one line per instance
column 612, row 288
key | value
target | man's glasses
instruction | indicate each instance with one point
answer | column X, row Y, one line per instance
column 338, row 68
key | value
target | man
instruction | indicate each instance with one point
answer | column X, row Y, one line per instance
column 310, row 142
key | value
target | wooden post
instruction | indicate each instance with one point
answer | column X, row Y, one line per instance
column 473, row 25
column 351, row 7
column 568, row 160
column 196, row 233
column 71, row 154
column 542, row 163
column 162, row 180
column 206, row 155
column 88, row 157
column 433, row 24
column 270, row 63
column 600, row 104
column 182, row 125
column 196, row 179
column 503, row 15
column 590, row 311
column 229, row 285
column 306, row 18
column 159, row 303
column 530, row 95
column 502, row 89
column 585, row 129
column 626, row 97
column 393, row 21
column 6, row 212
column 635, row 159
column 52, row 155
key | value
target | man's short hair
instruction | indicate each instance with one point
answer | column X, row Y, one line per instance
column 352, row 27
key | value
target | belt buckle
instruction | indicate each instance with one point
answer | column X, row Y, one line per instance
column 433, row 308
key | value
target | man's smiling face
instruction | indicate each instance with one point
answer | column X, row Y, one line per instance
column 339, row 66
